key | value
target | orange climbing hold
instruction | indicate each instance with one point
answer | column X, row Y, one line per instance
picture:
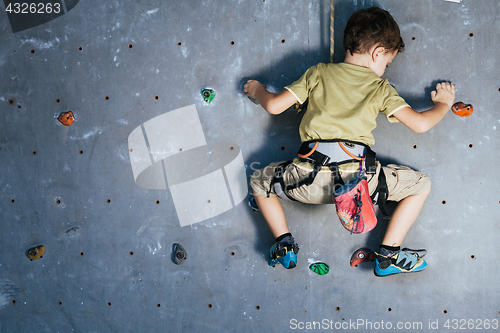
column 66, row 118
column 462, row 109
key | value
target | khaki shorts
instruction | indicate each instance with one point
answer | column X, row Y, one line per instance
column 401, row 181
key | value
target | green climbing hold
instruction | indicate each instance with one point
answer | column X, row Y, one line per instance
column 208, row 95
column 319, row 268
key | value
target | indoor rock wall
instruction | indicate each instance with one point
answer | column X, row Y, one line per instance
column 148, row 163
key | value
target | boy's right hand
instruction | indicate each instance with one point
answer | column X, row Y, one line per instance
column 251, row 87
column 444, row 93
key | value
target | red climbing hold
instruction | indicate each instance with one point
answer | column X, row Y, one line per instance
column 362, row 255
column 66, row 118
column 462, row 109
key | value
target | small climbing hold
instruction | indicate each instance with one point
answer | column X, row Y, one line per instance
column 461, row 109
column 66, row 118
column 362, row 255
column 208, row 95
column 36, row 252
column 178, row 253
column 320, row 268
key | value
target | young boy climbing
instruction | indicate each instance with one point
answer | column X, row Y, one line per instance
column 343, row 102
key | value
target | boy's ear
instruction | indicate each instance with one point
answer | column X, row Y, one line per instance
column 376, row 52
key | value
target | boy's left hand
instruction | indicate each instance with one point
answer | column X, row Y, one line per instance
column 444, row 93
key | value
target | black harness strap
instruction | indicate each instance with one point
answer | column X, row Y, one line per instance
column 370, row 165
column 383, row 193
column 318, row 160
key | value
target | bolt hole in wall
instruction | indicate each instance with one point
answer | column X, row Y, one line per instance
column 80, row 48
column 209, row 306
column 106, row 97
column 472, row 256
column 414, row 146
column 130, row 46
column 57, row 100
column 445, row 311
column 470, row 145
column 232, row 42
column 443, row 202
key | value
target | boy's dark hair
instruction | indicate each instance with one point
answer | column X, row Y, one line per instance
column 369, row 27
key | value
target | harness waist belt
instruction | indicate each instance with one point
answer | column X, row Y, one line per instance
column 335, row 151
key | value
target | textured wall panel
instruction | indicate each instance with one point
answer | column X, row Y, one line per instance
column 124, row 67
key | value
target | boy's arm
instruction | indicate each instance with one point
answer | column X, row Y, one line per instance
column 271, row 102
column 420, row 122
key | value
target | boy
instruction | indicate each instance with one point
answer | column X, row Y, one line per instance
column 344, row 100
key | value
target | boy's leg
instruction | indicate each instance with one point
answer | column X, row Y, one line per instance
column 273, row 214
column 403, row 218
column 413, row 187
column 285, row 250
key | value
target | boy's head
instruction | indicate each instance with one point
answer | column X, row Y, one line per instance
column 372, row 27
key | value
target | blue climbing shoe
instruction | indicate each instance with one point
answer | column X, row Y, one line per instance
column 252, row 203
column 405, row 261
column 285, row 254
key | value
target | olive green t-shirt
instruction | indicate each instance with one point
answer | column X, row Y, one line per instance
column 344, row 101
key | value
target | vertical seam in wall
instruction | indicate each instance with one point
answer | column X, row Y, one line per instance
column 147, row 144
column 228, row 185
column 64, row 6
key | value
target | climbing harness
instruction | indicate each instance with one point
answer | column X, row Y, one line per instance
column 355, row 210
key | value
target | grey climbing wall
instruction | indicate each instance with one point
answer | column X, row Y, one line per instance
column 135, row 173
